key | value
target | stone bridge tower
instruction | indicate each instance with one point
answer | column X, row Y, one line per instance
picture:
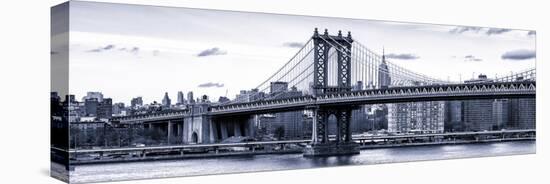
column 321, row 145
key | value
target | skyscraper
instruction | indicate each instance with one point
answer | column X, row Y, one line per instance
column 377, row 117
column 500, row 113
column 384, row 79
column 105, row 109
column 291, row 122
column 522, row 113
column 278, row 87
column 90, row 106
column 190, row 98
column 118, row 108
column 166, row 102
column 249, row 96
column 136, row 102
column 181, row 100
column 359, row 120
column 454, row 116
column 478, row 114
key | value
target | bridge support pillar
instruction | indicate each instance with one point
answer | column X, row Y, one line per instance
column 178, row 129
column 237, row 129
column 235, row 126
column 223, row 130
column 169, row 130
column 321, row 145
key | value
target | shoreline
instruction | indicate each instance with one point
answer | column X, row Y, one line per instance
column 73, row 163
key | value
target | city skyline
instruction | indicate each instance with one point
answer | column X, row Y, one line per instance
column 187, row 50
column 202, row 87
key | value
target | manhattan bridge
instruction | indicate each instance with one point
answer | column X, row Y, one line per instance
column 335, row 75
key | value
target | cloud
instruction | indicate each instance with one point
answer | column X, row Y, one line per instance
column 532, row 33
column 134, row 50
column 472, row 58
column 210, row 85
column 109, row 47
column 487, row 31
column 96, row 50
column 101, row 49
column 402, row 56
column 520, row 54
column 211, row 52
column 462, row 29
column 492, row 31
column 293, row 44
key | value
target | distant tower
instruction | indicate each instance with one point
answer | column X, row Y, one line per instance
column 384, row 79
column 190, row 97
column 181, row 100
column 166, row 100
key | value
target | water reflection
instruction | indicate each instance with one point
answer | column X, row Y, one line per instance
column 173, row 168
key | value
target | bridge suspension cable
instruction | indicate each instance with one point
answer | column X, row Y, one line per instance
column 527, row 74
column 367, row 57
column 289, row 72
column 366, row 66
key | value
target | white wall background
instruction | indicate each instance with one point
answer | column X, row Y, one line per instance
column 24, row 93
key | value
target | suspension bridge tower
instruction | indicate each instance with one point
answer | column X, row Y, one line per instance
column 321, row 144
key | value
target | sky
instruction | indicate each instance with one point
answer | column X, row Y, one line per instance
column 125, row 51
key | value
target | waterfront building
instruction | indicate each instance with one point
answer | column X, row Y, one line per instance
column 416, row 117
column 96, row 95
column 74, row 108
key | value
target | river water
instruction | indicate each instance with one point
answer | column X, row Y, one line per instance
column 192, row 167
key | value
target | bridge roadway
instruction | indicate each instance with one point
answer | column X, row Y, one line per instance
column 259, row 143
column 469, row 91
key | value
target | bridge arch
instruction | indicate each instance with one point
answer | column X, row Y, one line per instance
column 331, row 123
column 194, row 138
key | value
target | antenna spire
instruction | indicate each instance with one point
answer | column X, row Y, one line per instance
column 383, row 54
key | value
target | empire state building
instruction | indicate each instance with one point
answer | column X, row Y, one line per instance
column 384, row 79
